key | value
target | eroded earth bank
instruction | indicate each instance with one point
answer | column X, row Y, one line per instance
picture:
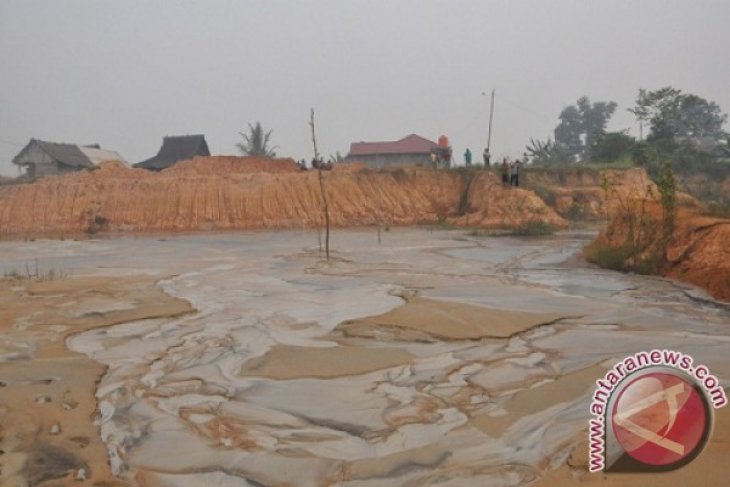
column 224, row 193
column 431, row 358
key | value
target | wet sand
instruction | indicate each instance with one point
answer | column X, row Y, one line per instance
column 284, row 362
column 444, row 320
column 47, row 392
column 431, row 359
column 528, row 402
column 709, row 468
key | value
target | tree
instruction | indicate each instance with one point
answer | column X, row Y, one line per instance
column 545, row 152
column 256, row 142
column 581, row 126
column 643, row 154
column 568, row 132
column 595, row 117
column 677, row 118
column 611, row 146
column 323, row 193
column 667, row 186
column 641, row 112
column 336, row 158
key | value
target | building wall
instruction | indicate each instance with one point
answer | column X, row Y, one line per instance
column 390, row 160
column 38, row 170
column 45, row 169
column 38, row 163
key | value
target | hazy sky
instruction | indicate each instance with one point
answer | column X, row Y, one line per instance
column 126, row 73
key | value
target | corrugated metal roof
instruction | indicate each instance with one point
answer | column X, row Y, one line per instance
column 412, row 144
column 68, row 154
column 97, row 156
column 72, row 155
column 176, row 148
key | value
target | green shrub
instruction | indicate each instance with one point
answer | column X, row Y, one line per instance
column 529, row 229
column 624, row 258
column 608, row 257
column 534, row 228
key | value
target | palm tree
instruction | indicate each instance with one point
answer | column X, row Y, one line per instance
column 256, row 142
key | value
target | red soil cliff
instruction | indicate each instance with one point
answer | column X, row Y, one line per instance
column 584, row 193
column 697, row 251
column 250, row 193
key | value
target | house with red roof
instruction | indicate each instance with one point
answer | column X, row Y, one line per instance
column 410, row 150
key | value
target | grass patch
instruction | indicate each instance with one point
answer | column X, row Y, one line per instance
column 485, row 232
column 529, row 229
column 534, row 228
column 32, row 273
column 624, row 259
column 607, row 257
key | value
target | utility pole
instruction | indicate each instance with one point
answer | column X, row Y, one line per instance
column 314, row 138
column 491, row 114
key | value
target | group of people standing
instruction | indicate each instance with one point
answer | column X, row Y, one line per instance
column 316, row 164
column 510, row 170
column 485, row 155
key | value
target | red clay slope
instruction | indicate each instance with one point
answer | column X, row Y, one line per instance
column 697, row 252
column 251, row 193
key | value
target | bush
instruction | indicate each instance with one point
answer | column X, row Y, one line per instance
column 534, row 228
column 608, row 257
column 643, row 154
column 529, row 229
column 625, row 258
column 33, row 274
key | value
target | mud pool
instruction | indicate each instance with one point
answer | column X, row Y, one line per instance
column 180, row 406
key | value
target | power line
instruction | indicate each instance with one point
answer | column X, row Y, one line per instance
column 541, row 116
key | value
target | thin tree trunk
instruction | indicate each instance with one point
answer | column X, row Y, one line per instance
column 326, row 217
column 321, row 189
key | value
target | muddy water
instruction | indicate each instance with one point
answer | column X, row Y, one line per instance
column 176, row 409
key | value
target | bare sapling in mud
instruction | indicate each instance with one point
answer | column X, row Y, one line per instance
column 325, row 208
